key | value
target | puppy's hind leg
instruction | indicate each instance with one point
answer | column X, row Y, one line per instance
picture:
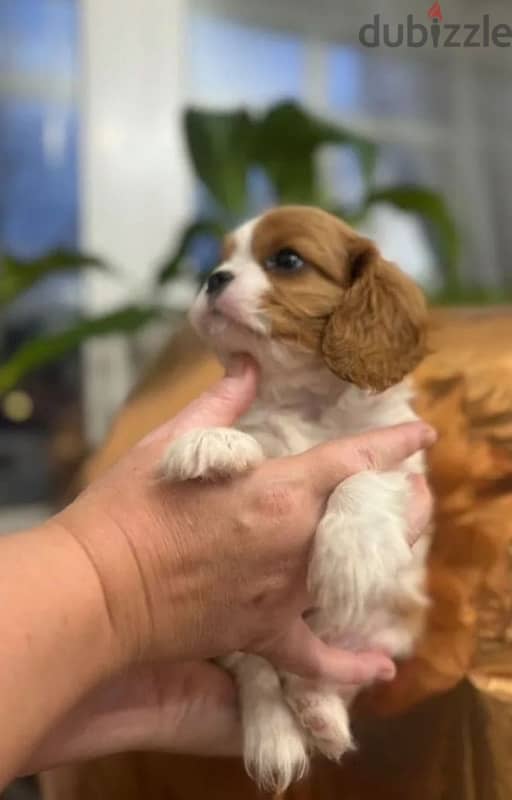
column 323, row 714
column 359, row 549
column 275, row 746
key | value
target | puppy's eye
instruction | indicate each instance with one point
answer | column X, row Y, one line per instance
column 285, row 260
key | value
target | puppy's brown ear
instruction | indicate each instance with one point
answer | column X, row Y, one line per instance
column 377, row 334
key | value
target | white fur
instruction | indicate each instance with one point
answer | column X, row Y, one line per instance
column 225, row 318
column 211, row 453
column 361, row 565
column 275, row 745
column 351, row 575
column 322, row 711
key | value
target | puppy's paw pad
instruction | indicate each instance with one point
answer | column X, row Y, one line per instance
column 325, row 719
column 330, row 736
column 211, row 453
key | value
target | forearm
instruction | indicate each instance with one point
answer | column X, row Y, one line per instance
column 55, row 642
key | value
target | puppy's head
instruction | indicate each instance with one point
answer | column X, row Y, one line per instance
column 302, row 278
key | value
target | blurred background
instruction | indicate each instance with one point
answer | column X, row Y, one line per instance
column 113, row 198
column 132, row 133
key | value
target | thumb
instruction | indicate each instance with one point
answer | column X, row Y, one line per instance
column 225, row 402
column 219, row 406
column 301, row 652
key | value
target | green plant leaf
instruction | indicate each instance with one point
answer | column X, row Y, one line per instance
column 431, row 206
column 190, row 232
column 352, row 216
column 18, row 276
column 43, row 350
column 220, row 145
column 286, row 140
column 472, row 296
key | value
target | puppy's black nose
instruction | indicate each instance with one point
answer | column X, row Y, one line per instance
column 218, row 281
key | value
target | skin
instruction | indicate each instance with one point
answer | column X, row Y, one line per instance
column 138, row 583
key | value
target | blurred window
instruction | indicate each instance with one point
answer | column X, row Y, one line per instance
column 437, row 116
column 38, row 212
column 383, row 85
column 38, row 125
column 442, row 117
column 233, row 64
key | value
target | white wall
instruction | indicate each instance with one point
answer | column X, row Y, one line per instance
column 135, row 185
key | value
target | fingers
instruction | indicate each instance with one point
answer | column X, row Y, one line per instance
column 301, row 652
column 329, row 464
column 220, row 406
column 114, row 717
column 420, row 510
column 186, row 708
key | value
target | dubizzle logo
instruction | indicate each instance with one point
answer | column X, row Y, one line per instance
column 439, row 34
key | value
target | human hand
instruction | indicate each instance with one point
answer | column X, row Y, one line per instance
column 186, row 708
column 197, row 570
column 176, row 584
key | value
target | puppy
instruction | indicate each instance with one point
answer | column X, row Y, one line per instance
column 335, row 330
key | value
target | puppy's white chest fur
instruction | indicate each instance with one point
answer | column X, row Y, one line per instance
column 287, row 421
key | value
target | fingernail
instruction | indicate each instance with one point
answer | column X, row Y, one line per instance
column 237, row 365
column 429, row 435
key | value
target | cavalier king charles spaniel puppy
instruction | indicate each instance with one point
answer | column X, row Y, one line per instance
column 335, row 330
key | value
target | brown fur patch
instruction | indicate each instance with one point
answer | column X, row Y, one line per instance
column 377, row 335
column 323, row 241
column 360, row 313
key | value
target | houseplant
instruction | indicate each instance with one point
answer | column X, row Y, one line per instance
column 229, row 150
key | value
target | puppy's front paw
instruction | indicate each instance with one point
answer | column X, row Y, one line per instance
column 211, row 453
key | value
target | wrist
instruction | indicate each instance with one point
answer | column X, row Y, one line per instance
column 86, row 602
column 56, row 639
column 106, row 545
